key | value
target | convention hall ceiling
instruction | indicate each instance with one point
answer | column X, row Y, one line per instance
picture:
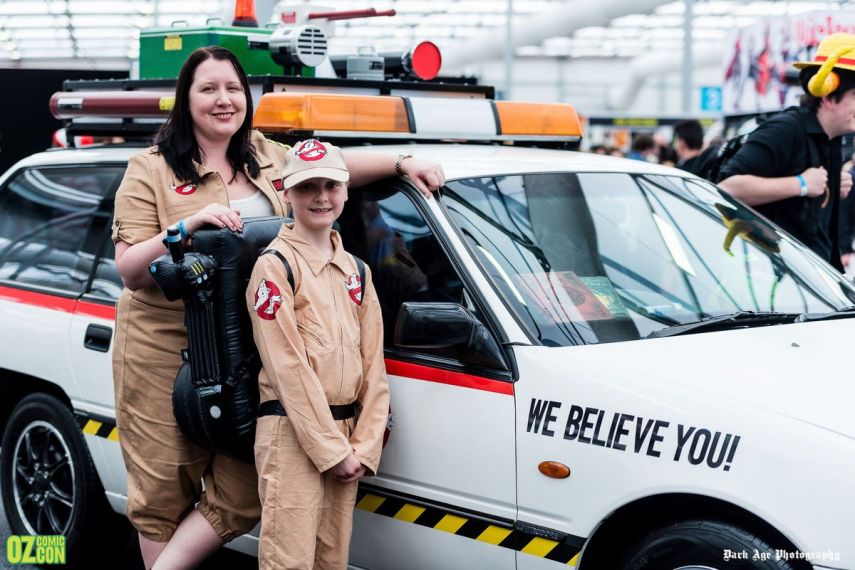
column 99, row 31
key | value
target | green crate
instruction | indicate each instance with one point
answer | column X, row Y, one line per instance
column 164, row 50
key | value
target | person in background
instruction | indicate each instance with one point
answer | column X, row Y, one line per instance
column 186, row 501
column 643, row 148
column 667, row 156
column 688, row 143
column 790, row 168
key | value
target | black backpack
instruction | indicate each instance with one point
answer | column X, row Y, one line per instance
column 711, row 161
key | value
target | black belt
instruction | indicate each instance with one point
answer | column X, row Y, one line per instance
column 274, row 408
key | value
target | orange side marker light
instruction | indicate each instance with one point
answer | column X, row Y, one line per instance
column 554, row 469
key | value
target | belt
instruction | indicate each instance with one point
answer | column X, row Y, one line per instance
column 274, row 408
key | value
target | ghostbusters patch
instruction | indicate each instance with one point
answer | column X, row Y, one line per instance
column 268, row 299
column 311, row 150
column 278, row 184
column 354, row 288
column 184, row 189
column 390, row 423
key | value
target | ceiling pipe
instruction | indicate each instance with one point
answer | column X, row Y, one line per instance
column 656, row 64
column 532, row 30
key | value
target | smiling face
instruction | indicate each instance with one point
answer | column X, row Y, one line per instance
column 217, row 101
column 317, row 202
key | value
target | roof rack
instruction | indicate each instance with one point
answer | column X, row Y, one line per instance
column 292, row 108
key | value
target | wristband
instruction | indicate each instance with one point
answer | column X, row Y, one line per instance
column 182, row 229
column 399, row 162
column 802, row 186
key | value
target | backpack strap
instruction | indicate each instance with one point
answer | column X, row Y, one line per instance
column 360, row 265
column 287, row 267
column 813, row 152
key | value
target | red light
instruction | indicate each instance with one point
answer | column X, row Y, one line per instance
column 425, row 60
column 245, row 14
column 71, row 104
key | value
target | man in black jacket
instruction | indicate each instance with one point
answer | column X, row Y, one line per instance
column 790, row 168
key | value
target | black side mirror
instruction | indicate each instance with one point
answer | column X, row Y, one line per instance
column 447, row 325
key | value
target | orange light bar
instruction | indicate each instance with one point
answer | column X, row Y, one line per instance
column 285, row 112
column 538, row 119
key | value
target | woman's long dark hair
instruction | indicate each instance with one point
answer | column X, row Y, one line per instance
column 176, row 140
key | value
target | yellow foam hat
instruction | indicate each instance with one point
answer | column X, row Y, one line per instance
column 829, row 56
column 833, row 48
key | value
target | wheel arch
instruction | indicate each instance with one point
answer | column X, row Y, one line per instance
column 638, row 518
column 15, row 386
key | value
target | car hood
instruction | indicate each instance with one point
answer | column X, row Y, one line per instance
column 803, row 371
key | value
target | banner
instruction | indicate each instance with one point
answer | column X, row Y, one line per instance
column 757, row 59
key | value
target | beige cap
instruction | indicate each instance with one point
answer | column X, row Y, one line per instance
column 313, row 159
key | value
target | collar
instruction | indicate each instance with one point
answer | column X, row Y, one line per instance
column 810, row 122
column 256, row 139
column 314, row 258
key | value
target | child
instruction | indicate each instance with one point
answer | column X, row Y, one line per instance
column 323, row 386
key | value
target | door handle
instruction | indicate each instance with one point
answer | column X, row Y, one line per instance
column 98, row 338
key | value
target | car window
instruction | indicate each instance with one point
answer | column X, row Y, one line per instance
column 406, row 260
column 45, row 218
column 107, row 282
column 605, row 257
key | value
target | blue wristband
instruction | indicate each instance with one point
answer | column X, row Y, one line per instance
column 183, row 230
column 802, row 186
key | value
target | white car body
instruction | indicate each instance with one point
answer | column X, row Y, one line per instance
column 776, row 400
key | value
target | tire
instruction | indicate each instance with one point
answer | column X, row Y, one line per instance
column 702, row 545
column 48, row 480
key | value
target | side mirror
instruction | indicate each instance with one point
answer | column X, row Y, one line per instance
column 447, row 325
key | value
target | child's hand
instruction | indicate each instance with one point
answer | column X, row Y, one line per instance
column 348, row 470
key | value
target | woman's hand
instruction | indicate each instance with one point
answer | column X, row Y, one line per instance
column 426, row 175
column 215, row 215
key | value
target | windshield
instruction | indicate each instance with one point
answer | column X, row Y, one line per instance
column 606, row 257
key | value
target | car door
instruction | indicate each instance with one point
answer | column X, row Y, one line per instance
column 91, row 338
column 446, row 491
column 45, row 217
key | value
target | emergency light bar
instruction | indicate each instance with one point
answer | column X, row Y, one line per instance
column 421, row 117
column 410, row 112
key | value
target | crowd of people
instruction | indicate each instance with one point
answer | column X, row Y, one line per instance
column 791, row 168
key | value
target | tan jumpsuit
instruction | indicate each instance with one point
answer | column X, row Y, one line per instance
column 319, row 347
column 165, row 469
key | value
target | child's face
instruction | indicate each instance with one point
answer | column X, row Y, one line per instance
column 317, row 202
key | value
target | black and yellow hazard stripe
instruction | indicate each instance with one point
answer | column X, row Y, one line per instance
column 98, row 426
column 514, row 535
column 505, row 533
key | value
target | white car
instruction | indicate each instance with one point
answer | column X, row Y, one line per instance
column 594, row 362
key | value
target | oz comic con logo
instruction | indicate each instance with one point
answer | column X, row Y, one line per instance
column 39, row 549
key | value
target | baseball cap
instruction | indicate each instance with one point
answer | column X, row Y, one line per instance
column 312, row 158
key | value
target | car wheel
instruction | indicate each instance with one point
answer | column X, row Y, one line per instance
column 49, row 482
column 703, row 545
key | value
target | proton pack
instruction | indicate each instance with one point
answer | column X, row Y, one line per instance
column 215, row 398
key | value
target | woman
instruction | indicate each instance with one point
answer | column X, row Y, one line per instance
column 206, row 159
